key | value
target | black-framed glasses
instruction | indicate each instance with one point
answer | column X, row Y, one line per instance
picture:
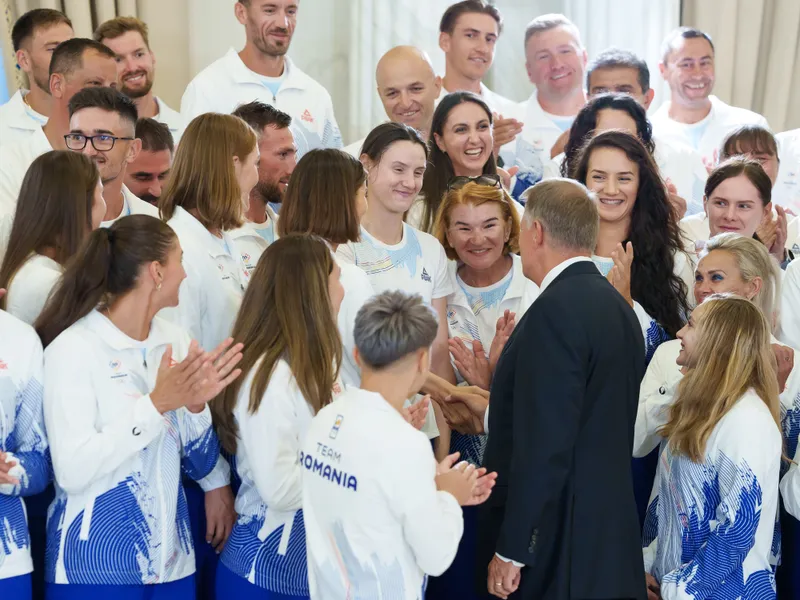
column 102, row 142
column 456, row 183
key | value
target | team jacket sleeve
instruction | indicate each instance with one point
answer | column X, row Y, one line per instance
column 200, row 443
column 331, row 136
column 81, row 452
column 193, row 103
column 552, row 364
column 272, row 440
column 30, row 447
column 790, row 299
column 190, row 314
column 790, row 489
column 746, row 473
column 431, row 519
column 656, row 396
column 654, row 335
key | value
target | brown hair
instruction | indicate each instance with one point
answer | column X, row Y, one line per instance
column 38, row 18
column 114, row 28
column 748, row 139
column 734, row 355
column 466, row 7
column 203, row 177
column 106, row 267
column 54, row 211
column 321, row 197
column 739, row 165
column 298, row 327
column 547, row 22
column 476, row 194
column 155, row 136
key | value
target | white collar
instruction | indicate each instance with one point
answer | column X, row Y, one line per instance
column 240, row 73
column 560, row 268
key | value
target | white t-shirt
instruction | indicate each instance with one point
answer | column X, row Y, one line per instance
column 18, row 120
column 707, row 135
column 787, row 188
column 417, row 265
column 216, row 279
column 357, row 290
column 31, row 286
column 15, row 159
column 171, row 118
column 375, row 522
column 132, row 205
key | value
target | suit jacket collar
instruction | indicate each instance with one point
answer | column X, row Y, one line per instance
column 556, row 272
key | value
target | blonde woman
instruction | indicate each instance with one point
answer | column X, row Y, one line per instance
column 719, row 470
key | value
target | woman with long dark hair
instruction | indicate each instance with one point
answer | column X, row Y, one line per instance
column 460, row 145
column 60, row 203
column 290, row 365
column 681, row 168
column 326, row 196
column 125, row 396
column 639, row 243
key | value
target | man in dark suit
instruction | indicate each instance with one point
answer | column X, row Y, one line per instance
column 562, row 522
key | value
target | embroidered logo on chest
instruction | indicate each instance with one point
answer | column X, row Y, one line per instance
column 3, row 366
column 306, row 116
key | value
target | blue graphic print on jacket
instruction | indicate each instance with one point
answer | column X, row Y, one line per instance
column 22, row 434
column 709, row 519
column 138, row 532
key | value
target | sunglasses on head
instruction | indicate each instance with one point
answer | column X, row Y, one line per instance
column 456, row 183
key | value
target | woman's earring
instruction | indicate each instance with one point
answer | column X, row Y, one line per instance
column 158, row 286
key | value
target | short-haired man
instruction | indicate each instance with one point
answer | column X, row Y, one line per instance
column 34, row 37
column 136, row 67
column 621, row 71
column 147, row 174
column 693, row 116
column 77, row 63
column 262, row 71
column 102, row 125
column 408, row 88
column 552, row 457
column 278, row 157
column 468, row 34
column 556, row 61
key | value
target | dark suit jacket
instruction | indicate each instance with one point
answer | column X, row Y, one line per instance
column 563, row 408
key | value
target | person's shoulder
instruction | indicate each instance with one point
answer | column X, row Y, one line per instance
column 749, row 418
column 17, row 333
column 736, row 114
column 212, row 73
column 353, row 276
column 309, row 84
column 74, row 342
column 429, row 244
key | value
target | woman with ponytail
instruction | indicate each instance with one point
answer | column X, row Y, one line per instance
column 125, row 410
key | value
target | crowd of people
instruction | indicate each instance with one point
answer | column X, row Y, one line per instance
column 240, row 360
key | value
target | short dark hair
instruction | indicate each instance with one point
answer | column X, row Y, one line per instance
column 384, row 135
column 454, row 12
column 155, row 136
column 260, row 115
column 68, row 55
column 739, row 165
column 34, row 19
column 685, row 33
column 615, row 58
column 107, row 99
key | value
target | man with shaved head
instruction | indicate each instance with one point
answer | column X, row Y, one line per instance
column 408, row 87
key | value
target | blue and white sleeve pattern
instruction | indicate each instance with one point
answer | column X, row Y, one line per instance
column 653, row 333
column 27, row 440
column 200, row 442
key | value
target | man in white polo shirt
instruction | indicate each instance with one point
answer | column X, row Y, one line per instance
column 76, row 63
column 556, row 62
column 262, row 71
column 468, row 34
column 35, row 36
column 128, row 38
column 693, row 116
column 102, row 125
column 408, row 87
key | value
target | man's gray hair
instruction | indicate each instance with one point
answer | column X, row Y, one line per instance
column 551, row 21
column 567, row 212
column 392, row 325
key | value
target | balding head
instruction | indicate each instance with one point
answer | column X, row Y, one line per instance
column 408, row 86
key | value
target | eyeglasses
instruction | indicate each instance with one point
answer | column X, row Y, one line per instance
column 101, row 142
column 456, row 183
